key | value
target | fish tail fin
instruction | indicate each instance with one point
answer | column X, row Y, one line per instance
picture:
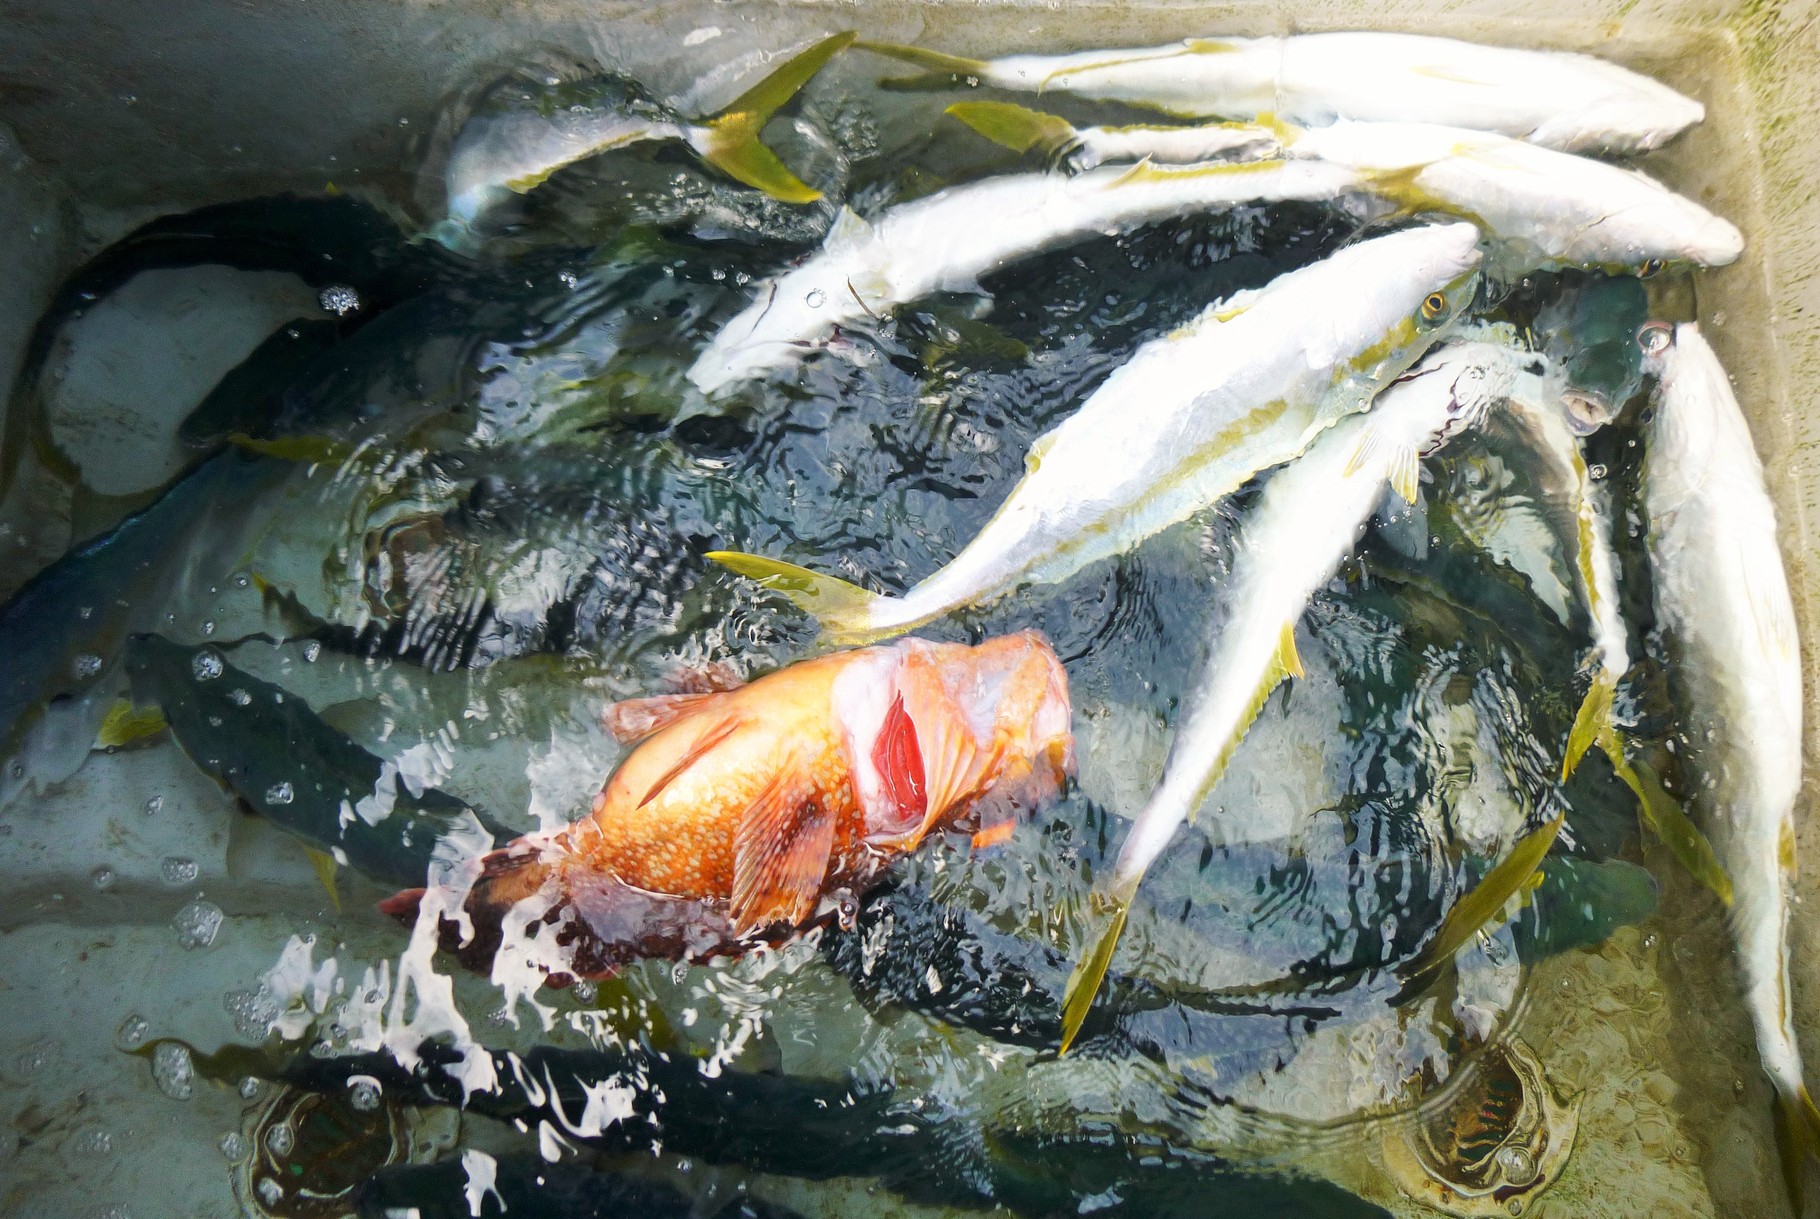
column 1798, row 1140
column 1483, row 902
column 1664, row 816
column 940, row 70
column 729, row 141
column 1018, row 128
column 1090, row 971
column 846, row 611
column 1594, row 724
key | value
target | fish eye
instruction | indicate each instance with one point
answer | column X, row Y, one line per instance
column 1655, row 338
column 1434, row 305
column 1650, row 267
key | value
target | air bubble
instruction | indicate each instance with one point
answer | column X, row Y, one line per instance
column 132, row 1032
column 233, row 1146
column 208, row 627
column 152, row 805
column 173, row 1071
column 197, row 924
column 363, row 1093
column 251, row 1087
column 103, row 878
column 583, row 990
column 815, row 298
column 280, row 1139
column 311, row 651
column 207, row 664
column 92, row 1142
column 338, row 299
column 280, row 793
column 239, row 698
column 270, row 1192
column 85, row 665
column 178, row 871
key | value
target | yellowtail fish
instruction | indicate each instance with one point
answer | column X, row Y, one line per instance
column 1186, row 421
column 1541, row 208
column 947, row 241
column 521, row 133
column 1723, row 601
column 1572, row 102
column 1553, row 415
column 1307, row 521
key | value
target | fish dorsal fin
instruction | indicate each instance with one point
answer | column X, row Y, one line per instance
column 780, row 855
column 710, row 736
column 850, row 231
column 634, row 719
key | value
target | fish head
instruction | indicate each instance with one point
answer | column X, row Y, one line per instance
column 933, row 727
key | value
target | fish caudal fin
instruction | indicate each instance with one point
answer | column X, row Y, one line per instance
column 1090, row 970
column 846, row 611
column 1483, row 903
column 940, row 71
column 1594, row 724
column 1018, row 128
column 1664, row 816
column 729, row 141
column 1798, row 1140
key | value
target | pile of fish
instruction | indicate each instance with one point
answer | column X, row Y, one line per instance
column 473, row 528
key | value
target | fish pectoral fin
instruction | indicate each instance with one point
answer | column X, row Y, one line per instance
column 325, row 867
column 940, row 70
column 711, row 735
column 780, row 856
column 729, row 141
column 1665, row 817
column 1482, row 904
column 633, row 719
column 844, row 610
column 1018, row 128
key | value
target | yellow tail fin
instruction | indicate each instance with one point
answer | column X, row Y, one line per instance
column 844, row 610
column 1798, row 1139
column 729, row 141
column 1487, row 898
column 1663, row 814
column 941, row 71
column 1090, row 971
column 1018, row 128
column 1593, row 724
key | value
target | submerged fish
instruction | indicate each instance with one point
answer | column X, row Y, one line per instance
column 1542, row 207
column 767, row 807
column 1307, row 522
column 1022, row 129
column 1183, row 423
column 1558, row 100
column 521, row 133
column 947, row 241
column 1552, row 419
column 1723, row 600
